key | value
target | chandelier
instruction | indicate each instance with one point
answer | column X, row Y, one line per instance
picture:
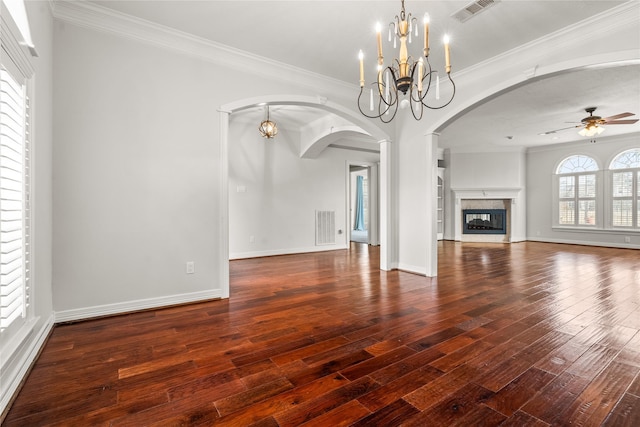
column 405, row 77
column 267, row 128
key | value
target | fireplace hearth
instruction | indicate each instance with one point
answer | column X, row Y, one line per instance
column 484, row 221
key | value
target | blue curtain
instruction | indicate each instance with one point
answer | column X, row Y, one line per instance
column 359, row 220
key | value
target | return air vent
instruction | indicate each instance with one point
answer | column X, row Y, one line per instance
column 472, row 9
column 325, row 228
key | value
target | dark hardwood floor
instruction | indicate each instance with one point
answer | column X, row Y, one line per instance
column 527, row 334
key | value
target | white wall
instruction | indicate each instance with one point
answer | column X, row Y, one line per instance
column 273, row 193
column 487, row 170
column 13, row 367
column 137, row 171
column 541, row 166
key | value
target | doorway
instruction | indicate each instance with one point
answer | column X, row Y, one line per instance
column 362, row 204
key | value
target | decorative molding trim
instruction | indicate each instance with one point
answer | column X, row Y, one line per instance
column 580, row 145
column 276, row 252
column 99, row 18
column 135, row 305
column 591, row 28
column 22, row 364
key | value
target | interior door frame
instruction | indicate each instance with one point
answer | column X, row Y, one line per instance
column 373, row 204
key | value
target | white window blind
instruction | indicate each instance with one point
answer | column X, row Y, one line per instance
column 14, row 199
column 625, row 190
column 577, row 191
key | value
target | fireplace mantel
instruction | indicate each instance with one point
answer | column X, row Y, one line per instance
column 486, row 193
column 512, row 194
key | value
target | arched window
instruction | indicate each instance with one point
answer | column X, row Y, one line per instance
column 577, row 179
column 625, row 189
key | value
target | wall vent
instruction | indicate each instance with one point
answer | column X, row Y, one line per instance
column 472, row 9
column 325, row 228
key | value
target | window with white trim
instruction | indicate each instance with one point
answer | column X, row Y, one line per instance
column 577, row 191
column 14, row 196
column 625, row 189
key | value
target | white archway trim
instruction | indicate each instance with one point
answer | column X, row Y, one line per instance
column 529, row 75
column 223, row 248
column 612, row 59
column 318, row 143
column 368, row 126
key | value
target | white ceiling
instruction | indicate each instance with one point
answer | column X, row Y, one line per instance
column 548, row 104
column 325, row 36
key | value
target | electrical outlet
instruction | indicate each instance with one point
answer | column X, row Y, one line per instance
column 191, row 267
column 252, row 239
column 627, row 239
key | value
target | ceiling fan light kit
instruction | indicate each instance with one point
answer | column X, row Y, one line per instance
column 593, row 125
column 405, row 76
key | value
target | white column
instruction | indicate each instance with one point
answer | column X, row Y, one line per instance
column 223, row 249
column 374, row 207
column 431, row 215
column 386, row 212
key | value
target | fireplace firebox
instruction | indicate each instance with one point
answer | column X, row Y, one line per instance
column 484, row 221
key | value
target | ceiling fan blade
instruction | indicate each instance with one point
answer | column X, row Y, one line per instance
column 618, row 116
column 558, row 130
column 621, row 122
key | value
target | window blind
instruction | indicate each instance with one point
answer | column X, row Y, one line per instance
column 14, row 200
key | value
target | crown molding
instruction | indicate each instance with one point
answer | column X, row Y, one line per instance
column 592, row 28
column 99, row 18
column 628, row 138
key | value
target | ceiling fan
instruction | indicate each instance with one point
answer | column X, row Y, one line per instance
column 592, row 125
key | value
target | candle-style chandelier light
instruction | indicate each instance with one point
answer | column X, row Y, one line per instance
column 413, row 78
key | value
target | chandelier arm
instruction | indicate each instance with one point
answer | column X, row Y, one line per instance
column 425, row 90
column 362, row 111
column 416, row 106
column 453, row 94
column 393, row 90
column 383, row 108
column 428, row 73
column 395, row 111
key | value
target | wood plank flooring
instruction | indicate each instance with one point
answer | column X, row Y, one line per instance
column 527, row 334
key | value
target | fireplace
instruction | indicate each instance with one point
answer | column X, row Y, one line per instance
column 507, row 200
column 484, row 221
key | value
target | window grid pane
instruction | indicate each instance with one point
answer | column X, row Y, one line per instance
column 587, row 212
column 577, row 163
column 586, row 186
column 622, row 184
column 622, row 213
column 627, row 160
column 567, row 212
column 567, row 187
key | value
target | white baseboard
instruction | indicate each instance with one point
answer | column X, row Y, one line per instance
column 274, row 252
column 136, row 305
column 11, row 377
column 412, row 269
column 584, row 243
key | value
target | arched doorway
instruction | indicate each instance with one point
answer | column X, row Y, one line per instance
column 366, row 127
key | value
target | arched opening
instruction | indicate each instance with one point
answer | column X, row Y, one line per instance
column 355, row 125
